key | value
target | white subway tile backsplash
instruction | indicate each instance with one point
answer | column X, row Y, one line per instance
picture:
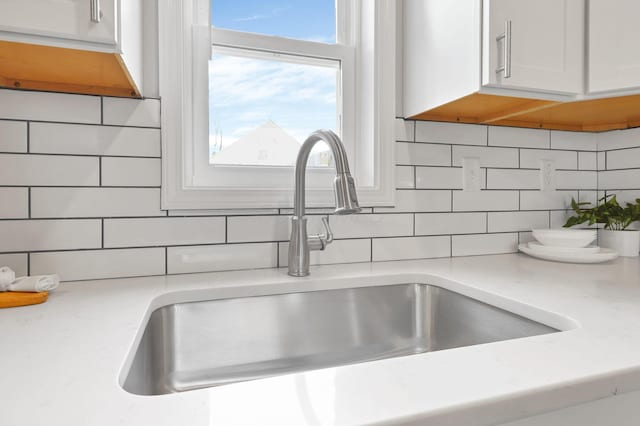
column 517, row 221
column 91, row 208
column 131, row 171
column 559, row 217
column 419, row 201
column 44, row 106
column 623, row 159
column 14, row 203
column 489, row 156
column 372, row 225
column 513, row 179
column 546, row 200
column 131, row 112
column 530, row 158
column 92, row 264
column 245, row 229
column 574, row 141
column 471, row 245
column 619, row 179
column 451, row 133
column 450, row 223
column 410, row 248
column 423, row 154
column 48, row 170
column 577, row 179
column 95, row 202
column 443, row 177
column 485, row 200
column 223, row 257
column 624, row 196
column 602, row 163
column 13, row 136
column 517, row 137
column 340, row 251
column 240, row 212
column 405, row 130
column 257, row 228
column 587, row 161
column 405, row 177
column 525, row 237
column 589, row 197
column 78, row 139
column 617, row 139
column 16, row 261
column 165, row 231
column 39, row 235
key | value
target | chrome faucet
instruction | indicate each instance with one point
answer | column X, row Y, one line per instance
column 346, row 202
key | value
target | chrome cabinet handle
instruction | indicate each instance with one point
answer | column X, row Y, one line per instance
column 506, row 36
column 95, row 11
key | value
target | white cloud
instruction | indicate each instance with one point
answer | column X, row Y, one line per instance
column 244, row 93
column 275, row 12
column 237, row 80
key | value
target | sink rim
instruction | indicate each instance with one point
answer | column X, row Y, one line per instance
column 563, row 323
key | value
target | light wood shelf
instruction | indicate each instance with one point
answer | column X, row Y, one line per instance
column 594, row 115
column 30, row 66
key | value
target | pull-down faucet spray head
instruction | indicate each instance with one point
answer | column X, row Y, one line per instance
column 345, row 192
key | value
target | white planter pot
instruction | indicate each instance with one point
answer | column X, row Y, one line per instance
column 626, row 243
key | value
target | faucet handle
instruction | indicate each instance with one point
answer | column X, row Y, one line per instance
column 328, row 236
column 321, row 241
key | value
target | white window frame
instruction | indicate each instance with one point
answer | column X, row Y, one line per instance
column 185, row 46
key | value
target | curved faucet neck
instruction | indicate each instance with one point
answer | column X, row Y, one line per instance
column 339, row 156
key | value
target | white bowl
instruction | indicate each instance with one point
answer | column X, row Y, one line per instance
column 565, row 237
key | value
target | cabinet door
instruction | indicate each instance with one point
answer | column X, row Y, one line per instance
column 65, row 19
column 547, row 44
column 614, row 56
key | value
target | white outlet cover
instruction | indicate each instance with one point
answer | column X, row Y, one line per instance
column 548, row 175
column 471, row 174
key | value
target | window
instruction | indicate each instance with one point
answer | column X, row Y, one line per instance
column 239, row 97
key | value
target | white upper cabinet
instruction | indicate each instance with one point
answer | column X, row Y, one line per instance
column 534, row 45
column 614, row 56
column 101, row 41
column 90, row 21
column 517, row 48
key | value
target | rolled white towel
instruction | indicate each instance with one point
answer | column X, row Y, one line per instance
column 36, row 283
column 7, row 276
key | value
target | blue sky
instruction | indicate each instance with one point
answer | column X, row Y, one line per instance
column 305, row 19
column 246, row 92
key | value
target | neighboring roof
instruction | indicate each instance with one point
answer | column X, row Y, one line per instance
column 268, row 144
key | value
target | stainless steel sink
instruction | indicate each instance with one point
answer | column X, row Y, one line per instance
column 210, row 343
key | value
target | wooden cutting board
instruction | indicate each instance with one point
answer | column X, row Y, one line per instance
column 10, row 299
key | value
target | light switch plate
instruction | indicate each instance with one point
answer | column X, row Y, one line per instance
column 471, row 174
column 547, row 175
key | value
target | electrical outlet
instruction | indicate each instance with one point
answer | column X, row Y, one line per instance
column 471, row 174
column 547, row 175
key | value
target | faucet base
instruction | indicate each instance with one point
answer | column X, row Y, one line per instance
column 298, row 274
column 298, row 247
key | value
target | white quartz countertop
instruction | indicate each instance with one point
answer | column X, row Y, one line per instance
column 63, row 361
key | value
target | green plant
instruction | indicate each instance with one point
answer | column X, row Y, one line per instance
column 608, row 211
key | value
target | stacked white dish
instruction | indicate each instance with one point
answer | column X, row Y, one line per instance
column 567, row 245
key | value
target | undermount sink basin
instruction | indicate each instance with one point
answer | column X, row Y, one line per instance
column 194, row 345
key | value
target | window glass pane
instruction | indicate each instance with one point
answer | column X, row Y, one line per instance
column 313, row 20
column 262, row 109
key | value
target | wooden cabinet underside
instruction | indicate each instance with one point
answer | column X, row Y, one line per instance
column 593, row 115
column 30, row 66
